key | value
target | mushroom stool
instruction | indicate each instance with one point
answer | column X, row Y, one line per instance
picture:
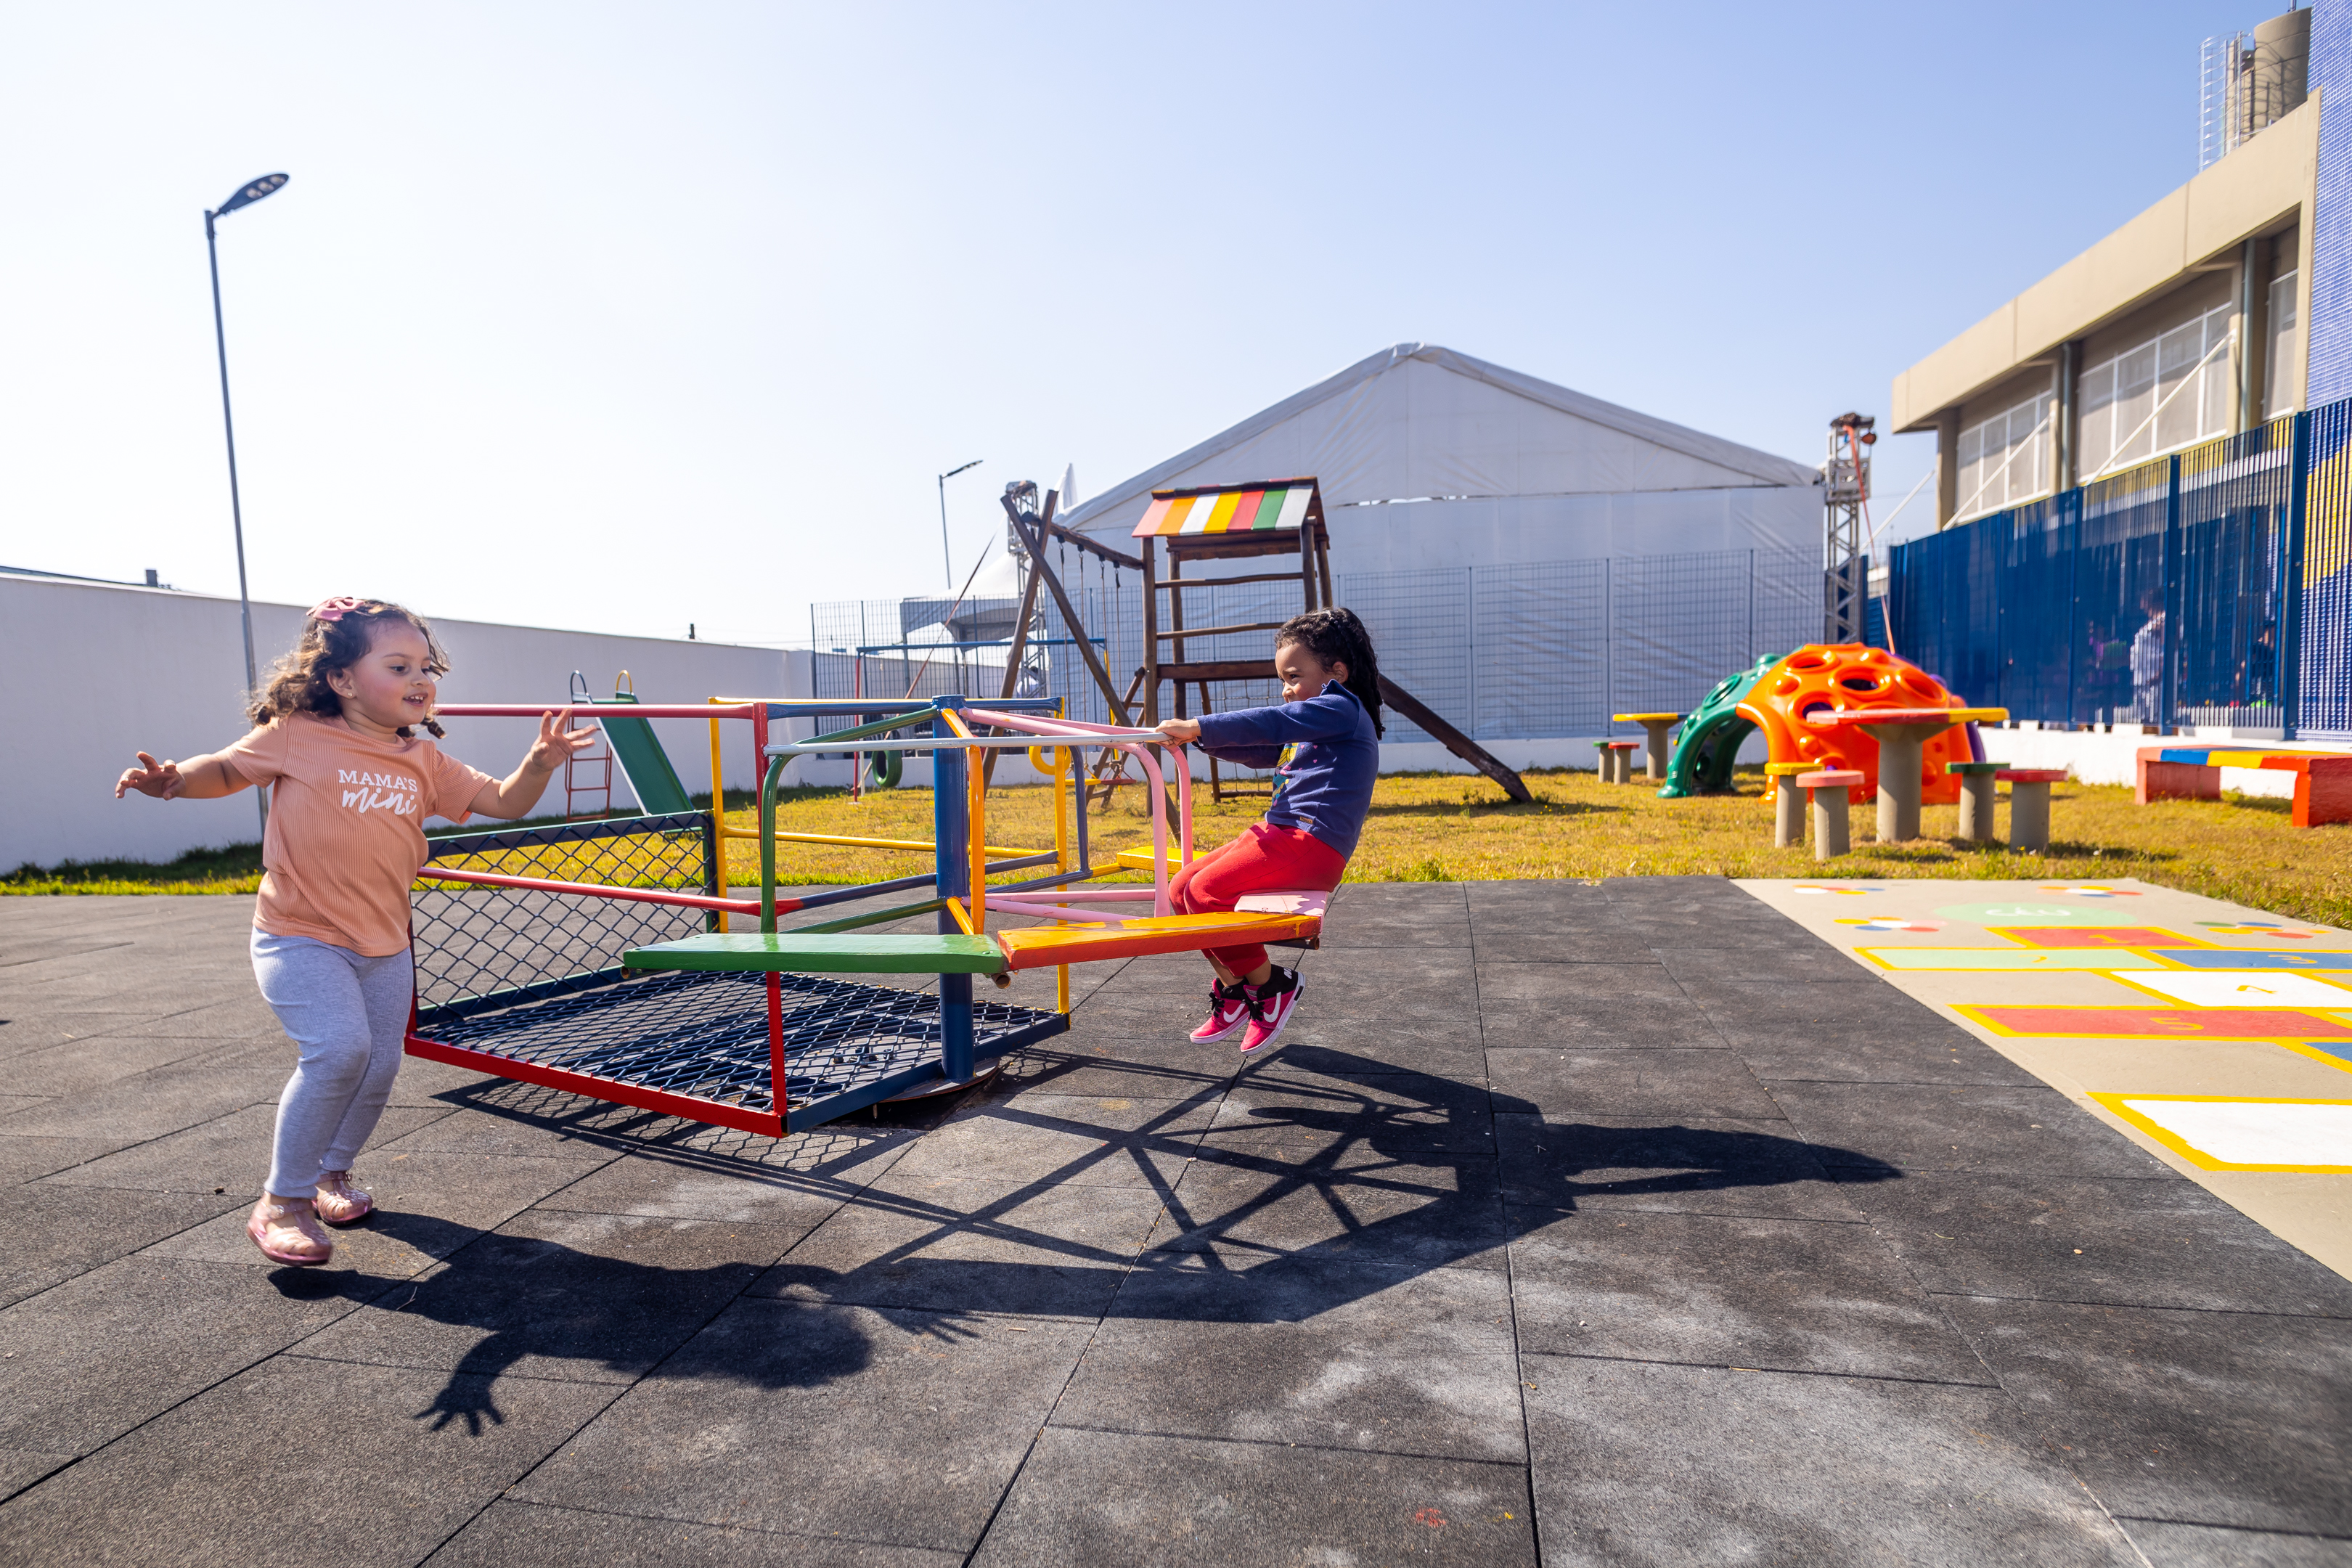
column 2028, row 806
column 1833, row 792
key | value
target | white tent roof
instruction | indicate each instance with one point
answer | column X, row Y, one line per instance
column 1418, row 421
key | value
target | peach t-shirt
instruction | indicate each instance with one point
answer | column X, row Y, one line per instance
column 346, row 826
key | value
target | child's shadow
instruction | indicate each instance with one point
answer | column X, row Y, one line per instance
column 504, row 1302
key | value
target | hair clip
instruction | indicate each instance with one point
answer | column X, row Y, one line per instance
column 334, row 609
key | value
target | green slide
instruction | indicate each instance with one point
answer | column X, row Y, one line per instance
column 1709, row 743
column 643, row 762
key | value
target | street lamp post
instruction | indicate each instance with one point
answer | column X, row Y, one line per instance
column 947, row 557
column 246, row 196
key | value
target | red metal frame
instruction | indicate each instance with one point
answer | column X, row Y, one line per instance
column 600, row 890
column 680, row 1105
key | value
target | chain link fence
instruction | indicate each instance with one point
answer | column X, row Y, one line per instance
column 1539, row 650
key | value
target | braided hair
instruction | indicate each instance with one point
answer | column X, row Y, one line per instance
column 1336, row 636
column 297, row 683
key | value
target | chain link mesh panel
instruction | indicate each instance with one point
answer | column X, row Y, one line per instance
column 706, row 1035
column 1540, row 649
column 480, row 947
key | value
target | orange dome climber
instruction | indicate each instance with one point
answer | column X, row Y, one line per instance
column 1850, row 676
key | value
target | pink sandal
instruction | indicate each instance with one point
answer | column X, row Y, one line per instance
column 289, row 1233
column 340, row 1203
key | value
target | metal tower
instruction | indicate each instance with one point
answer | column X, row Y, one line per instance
column 1845, row 568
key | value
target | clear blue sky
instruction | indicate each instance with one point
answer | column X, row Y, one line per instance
column 624, row 317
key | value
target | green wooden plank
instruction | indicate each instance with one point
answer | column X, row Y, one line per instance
column 801, row 952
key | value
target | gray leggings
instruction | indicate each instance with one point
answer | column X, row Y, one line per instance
column 349, row 1013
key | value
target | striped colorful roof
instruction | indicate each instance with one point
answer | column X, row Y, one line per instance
column 1227, row 509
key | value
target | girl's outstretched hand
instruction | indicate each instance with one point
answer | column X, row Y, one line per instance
column 557, row 745
column 161, row 780
column 1185, row 731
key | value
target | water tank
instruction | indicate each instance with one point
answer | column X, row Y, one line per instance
column 2282, row 59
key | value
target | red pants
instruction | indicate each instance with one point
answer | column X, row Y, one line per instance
column 1263, row 860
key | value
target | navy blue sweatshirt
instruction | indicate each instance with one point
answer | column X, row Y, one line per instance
column 1326, row 752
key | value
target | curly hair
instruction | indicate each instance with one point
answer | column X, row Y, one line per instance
column 1336, row 636
column 297, row 683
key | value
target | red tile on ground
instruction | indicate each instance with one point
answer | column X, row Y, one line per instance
column 2165, row 1023
column 2094, row 936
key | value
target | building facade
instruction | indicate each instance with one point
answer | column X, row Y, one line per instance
column 2211, row 312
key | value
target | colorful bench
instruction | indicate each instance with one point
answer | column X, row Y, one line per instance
column 2323, row 780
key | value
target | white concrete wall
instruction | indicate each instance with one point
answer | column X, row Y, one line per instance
column 96, row 672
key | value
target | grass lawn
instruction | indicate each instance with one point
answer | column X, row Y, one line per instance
column 1450, row 827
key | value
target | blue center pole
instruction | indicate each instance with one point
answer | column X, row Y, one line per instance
column 950, row 831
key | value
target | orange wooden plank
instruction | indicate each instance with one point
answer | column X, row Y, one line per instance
column 1041, row 947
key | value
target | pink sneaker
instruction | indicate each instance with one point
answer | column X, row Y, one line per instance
column 340, row 1203
column 289, row 1233
column 1270, row 1006
column 1228, row 1010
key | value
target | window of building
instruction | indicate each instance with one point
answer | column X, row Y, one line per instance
column 2005, row 459
column 2285, row 367
column 2168, row 393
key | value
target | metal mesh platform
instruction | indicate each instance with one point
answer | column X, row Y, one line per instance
column 704, row 1036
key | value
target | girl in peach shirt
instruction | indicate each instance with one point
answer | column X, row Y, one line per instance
column 334, row 742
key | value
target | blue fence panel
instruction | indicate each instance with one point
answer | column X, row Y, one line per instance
column 2210, row 587
column 2320, row 564
column 2118, row 600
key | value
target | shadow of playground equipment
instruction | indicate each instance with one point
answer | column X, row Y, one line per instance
column 1316, row 1189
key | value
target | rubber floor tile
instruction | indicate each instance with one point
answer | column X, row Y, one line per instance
column 1090, row 1498
column 93, row 1358
column 428, row 1207
column 1758, row 1169
column 1780, row 1295
column 937, row 1242
column 681, row 1184
column 1850, row 1053
column 435, row 1450
column 1671, row 1467
column 2171, row 1545
column 2208, row 1417
column 1819, row 964
column 1597, row 945
column 150, row 1104
column 1711, row 1084
column 1337, row 1203
column 814, row 1420
column 53, row 1233
column 510, row 1535
column 230, row 1152
column 1334, row 1354
column 582, row 1298
column 20, row 1467
column 30, row 1159
column 1100, row 1141
column 1994, row 1131
column 2159, row 1243
column 1402, row 1116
